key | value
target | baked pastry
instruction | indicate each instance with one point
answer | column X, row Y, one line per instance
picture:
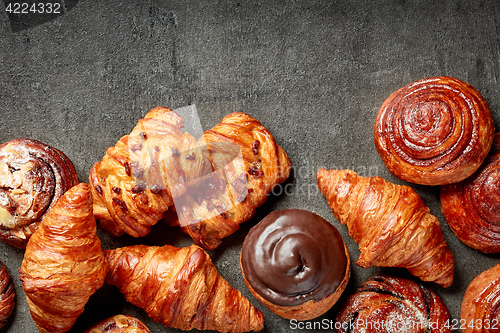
column 390, row 223
column 63, row 264
column 33, row 176
column 7, row 295
column 180, row 288
column 295, row 263
column 248, row 165
column 119, row 324
column 480, row 311
column 214, row 184
column 393, row 304
column 434, row 131
column 472, row 207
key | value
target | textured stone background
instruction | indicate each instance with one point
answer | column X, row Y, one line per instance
column 314, row 72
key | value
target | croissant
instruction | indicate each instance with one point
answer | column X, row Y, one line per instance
column 63, row 264
column 434, row 131
column 213, row 184
column 7, row 295
column 480, row 306
column 119, row 324
column 472, row 207
column 181, row 288
column 390, row 223
column 248, row 165
column 393, row 304
column 33, row 176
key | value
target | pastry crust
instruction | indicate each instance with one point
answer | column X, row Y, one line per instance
column 119, row 324
column 480, row 311
column 390, row 223
column 212, row 185
column 393, row 304
column 181, row 288
column 33, row 176
column 63, row 264
column 7, row 295
column 472, row 207
column 434, row 131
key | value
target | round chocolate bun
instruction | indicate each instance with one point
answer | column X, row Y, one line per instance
column 295, row 263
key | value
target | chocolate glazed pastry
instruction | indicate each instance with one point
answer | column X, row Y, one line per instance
column 434, row 131
column 472, row 207
column 119, row 324
column 296, row 263
column 391, row 304
column 7, row 295
column 33, row 176
column 480, row 312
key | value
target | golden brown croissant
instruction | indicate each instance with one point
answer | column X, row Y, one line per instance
column 33, row 176
column 472, row 207
column 181, row 288
column 248, row 165
column 390, row 223
column 216, row 183
column 63, row 264
column 393, row 304
column 7, row 295
column 119, row 324
column 481, row 303
column 434, row 131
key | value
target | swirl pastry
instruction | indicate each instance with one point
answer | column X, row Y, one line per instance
column 213, row 184
column 472, row 207
column 7, row 295
column 33, row 176
column 434, row 131
column 295, row 263
column 390, row 223
column 63, row 264
column 180, row 288
column 480, row 312
column 392, row 304
column 119, row 324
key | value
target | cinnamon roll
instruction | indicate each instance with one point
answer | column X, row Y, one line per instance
column 295, row 263
column 472, row 207
column 33, row 176
column 393, row 304
column 480, row 312
column 434, row 131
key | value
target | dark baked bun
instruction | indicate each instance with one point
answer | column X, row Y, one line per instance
column 434, row 131
column 119, row 324
column 33, row 176
column 393, row 304
column 472, row 207
column 295, row 263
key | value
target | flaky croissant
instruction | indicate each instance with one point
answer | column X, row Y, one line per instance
column 7, row 295
column 181, row 288
column 213, row 184
column 248, row 165
column 63, row 264
column 390, row 223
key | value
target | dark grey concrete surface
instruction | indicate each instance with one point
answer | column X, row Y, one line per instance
column 314, row 72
